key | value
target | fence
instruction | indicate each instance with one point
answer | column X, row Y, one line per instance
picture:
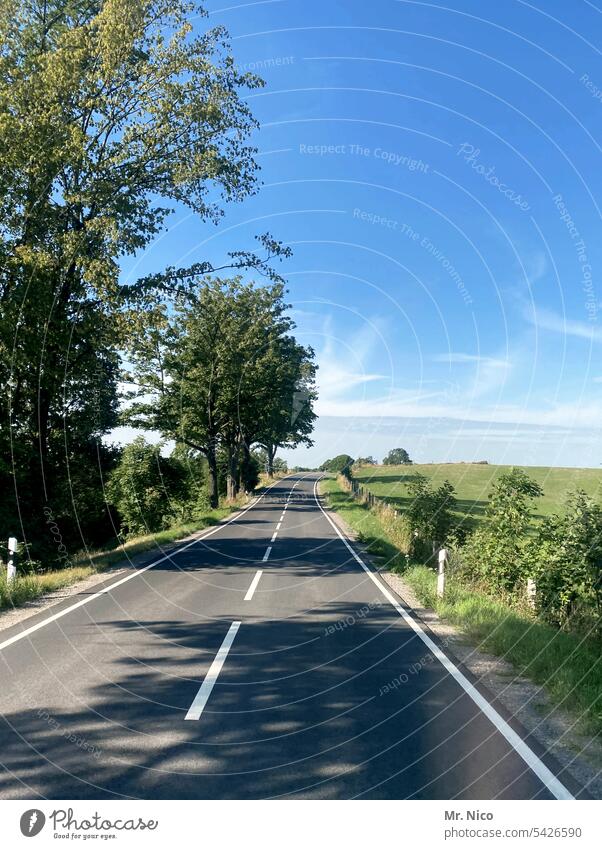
column 361, row 493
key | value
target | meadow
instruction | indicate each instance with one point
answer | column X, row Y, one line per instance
column 473, row 482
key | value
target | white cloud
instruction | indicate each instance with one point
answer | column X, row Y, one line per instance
column 343, row 363
column 544, row 319
column 452, row 357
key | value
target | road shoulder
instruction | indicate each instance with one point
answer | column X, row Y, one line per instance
column 525, row 701
column 97, row 581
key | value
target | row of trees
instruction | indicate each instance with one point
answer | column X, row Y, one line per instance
column 220, row 371
column 114, row 113
column 395, row 457
column 344, row 462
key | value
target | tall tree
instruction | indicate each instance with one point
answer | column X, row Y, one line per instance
column 397, row 457
column 287, row 419
column 208, row 374
column 112, row 112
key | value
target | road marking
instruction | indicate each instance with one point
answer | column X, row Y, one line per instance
column 274, row 535
column 253, row 586
column 278, row 525
column 545, row 775
column 202, row 697
column 22, row 634
column 267, row 554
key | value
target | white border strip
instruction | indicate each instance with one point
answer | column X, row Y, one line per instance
column 202, row 697
column 545, row 775
column 22, row 634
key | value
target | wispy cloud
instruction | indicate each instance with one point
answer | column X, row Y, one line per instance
column 454, row 357
column 545, row 319
column 345, row 365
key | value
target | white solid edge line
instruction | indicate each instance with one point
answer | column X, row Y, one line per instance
column 545, row 775
column 267, row 553
column 200, row 700
column 253, row 586
column 134, row 574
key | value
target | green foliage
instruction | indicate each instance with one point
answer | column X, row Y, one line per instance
column 364, row 461
column 430, row 511
column 150, row 492
column 250, row 470
column 280, row 466
column 397, row 457
column 565, row 664
column 110, row 114
column 210, row 368
column 341, row 464
column 496, row 553
column 566, row 562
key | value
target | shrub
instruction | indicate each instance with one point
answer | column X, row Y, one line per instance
column 566, row 562
column 341, row 464
column 430, row 513
column 496, row 555
column 147, row 489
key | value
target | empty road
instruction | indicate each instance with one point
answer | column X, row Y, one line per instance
column 263, row 659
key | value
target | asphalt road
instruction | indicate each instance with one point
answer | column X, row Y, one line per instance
column 197, row 678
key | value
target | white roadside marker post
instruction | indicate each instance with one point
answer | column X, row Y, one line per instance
column 441, row 574
column 11, row 566
column 531, row 592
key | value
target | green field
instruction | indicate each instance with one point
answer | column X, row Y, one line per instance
column 473, row 483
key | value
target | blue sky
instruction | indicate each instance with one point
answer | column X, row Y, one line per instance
column 436, row 169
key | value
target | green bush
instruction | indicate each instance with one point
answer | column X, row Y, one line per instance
column 152, row 492
column 495, row 555
column 397, row 457
column 341, row 464
column 430, row 513
column 566, row 563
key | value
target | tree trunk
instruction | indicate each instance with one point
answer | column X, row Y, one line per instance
column 246, row 459
column 271, row 452
column 213, row 491
column 232, row 475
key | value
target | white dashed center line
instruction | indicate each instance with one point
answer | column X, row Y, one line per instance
column 202, row 697
column 253, row 586
column 267, row 554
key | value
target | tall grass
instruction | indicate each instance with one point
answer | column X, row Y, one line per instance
column 567, row 665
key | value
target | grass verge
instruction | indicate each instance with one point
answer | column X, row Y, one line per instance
column 567, row 666
column 29, row 587
column 364, row 522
